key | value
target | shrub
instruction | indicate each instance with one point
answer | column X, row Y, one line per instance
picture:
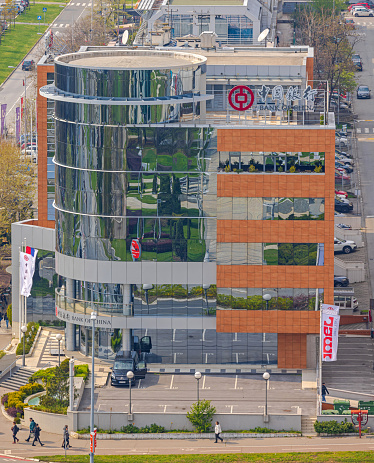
column 32, row 329
column 13, row 412
column 2, row 353
column 4, row 399
column 333, row 427
column 9, row 313
column 201, row 415
column 81, row 371
column 15, row 400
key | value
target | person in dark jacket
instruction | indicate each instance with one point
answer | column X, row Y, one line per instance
column 324, row 392
column 15, row 430
column 6, row 320
column 66, row 437
column 32, row 428
column 37, row 435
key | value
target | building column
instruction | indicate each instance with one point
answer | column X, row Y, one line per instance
column 127, row 311
column 70, row 327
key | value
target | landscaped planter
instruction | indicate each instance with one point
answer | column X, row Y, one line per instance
column 343, row 434
column 183, row 435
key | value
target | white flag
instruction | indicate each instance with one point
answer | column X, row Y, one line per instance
column 330, row 319
column 27, row 269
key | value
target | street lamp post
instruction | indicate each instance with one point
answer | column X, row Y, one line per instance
column 198, row 377
column 266, row 377
column 93, row 319
column 130, row 376
column 23, row 329
column 59, row 337
column 266, row 298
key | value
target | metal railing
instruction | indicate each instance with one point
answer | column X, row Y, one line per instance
column 86, row 307
column 8, row 368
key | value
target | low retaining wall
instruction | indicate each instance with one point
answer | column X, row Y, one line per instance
column 229, row 421
column 183, row 435
column 341, row 418
column 51, row 422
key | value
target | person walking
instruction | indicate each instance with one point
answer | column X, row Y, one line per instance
column 15, row 430
column 6, row 320
column 217, row 432
column 66, row 437
column 37, row 435
column 32, row 429
column 324, row 392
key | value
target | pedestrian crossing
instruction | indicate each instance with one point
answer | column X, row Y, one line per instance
column 80, row 4
column 365, row 130
column 60, row 25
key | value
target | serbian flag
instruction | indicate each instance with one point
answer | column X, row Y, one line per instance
column 27, row 268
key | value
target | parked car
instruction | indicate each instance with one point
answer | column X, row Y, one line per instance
column 362, row 11
column 349, row 22
column 341, row 206
column 28, row 65
column 339, row 176
column 363, row 91
column 344, row 226
column 357, row 61
column 340, row 281
column 368, row 5
column 339, row 214
column 343, row 153
column 344, row 246
column 344, row 160
column 346, row 167
column 341, row 193
column 124, row 363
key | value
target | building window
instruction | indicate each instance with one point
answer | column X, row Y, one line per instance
column 270, row 208
column 269, row 162
column 270, row 254
column 281, row 298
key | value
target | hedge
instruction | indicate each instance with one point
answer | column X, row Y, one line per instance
column 333, row 427
column 30, row 337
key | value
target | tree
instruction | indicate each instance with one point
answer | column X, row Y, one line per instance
column 201, row 415
column 57, row 385
column 17, row 185
column 333, row 42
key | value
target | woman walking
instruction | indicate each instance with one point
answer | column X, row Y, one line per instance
column 217, row 432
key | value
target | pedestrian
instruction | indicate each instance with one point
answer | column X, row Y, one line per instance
column 217, row 431
column 277, row 40
column 15, row 430
column 66, row 437
column 6, row 320
column 37, row 435
column 324, row 392
column 32, row 430
column 1, row 317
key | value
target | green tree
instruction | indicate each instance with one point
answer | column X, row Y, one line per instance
column 201, row 415
column 154, row 185
column 179, row 242
column 57, row 386
column 9, row 313
column 116, row 340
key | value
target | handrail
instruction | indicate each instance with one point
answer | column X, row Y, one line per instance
column 9, row 367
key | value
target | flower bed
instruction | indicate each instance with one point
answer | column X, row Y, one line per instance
column 32, row 329
column 13, row 402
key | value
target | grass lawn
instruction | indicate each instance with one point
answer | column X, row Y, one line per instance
column 30, row 16
column 15, row 45
column 320, row 457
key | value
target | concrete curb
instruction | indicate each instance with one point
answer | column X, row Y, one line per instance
column 183, row 435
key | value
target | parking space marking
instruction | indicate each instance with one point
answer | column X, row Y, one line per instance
column 139, row 384
column 358, row 130
column 171, row 383
column 175, row 356
column 206, row 356
column 236, row 384
column 237, row 356
column 231, row 407
column 235, row 337
column 203, row 338
column 204, row 378
column 174, row 340
column 366, row 130
column 164, row 407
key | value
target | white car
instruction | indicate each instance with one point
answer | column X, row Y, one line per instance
column 344, row 246
column 362, row 11
column 344, row 160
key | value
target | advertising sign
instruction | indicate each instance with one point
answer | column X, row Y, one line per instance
column 277, row 98
column 135, row 249
column 27, row 268
column 329, row 332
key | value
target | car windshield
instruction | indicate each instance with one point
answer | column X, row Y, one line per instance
column 356, row 57
column 122, row 365
column 365, row 89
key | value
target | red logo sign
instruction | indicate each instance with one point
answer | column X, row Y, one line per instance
column 241, row 98
column 25, row 258
column 135, row 249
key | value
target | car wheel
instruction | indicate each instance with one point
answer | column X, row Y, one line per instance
column 347, row 250
column 356, row 15
column 370, row 15
column 338, row 285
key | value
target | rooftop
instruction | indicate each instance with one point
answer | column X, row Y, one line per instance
column 130, row 59
column 207, row 2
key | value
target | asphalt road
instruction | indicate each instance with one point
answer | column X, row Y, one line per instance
column 13, row 89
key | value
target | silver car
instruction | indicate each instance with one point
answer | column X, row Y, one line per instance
column 363, row 91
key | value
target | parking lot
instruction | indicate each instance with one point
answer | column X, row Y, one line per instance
column 228, row 393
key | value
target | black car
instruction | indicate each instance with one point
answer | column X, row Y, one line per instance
column 357, row 61
column 124, row 363
column 28, row 65
column 341, row 206
column 340, row 281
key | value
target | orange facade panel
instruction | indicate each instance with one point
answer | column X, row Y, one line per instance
column 292, row 350
column 271, row 321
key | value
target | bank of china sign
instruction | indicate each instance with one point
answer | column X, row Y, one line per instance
column 241, row 98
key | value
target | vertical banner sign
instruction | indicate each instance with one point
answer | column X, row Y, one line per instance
column 2, row 124
column 329, row 332
column 27, row 268
column 18, row 125
column 22, row 104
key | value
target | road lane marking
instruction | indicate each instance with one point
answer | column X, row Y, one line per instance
column 171, row 383
column 204, row 378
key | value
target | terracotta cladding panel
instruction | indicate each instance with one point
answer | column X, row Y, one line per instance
column 272, row 321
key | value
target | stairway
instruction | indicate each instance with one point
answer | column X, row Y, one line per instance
column 18, row 379
column 307, row 425
column 50, row 352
